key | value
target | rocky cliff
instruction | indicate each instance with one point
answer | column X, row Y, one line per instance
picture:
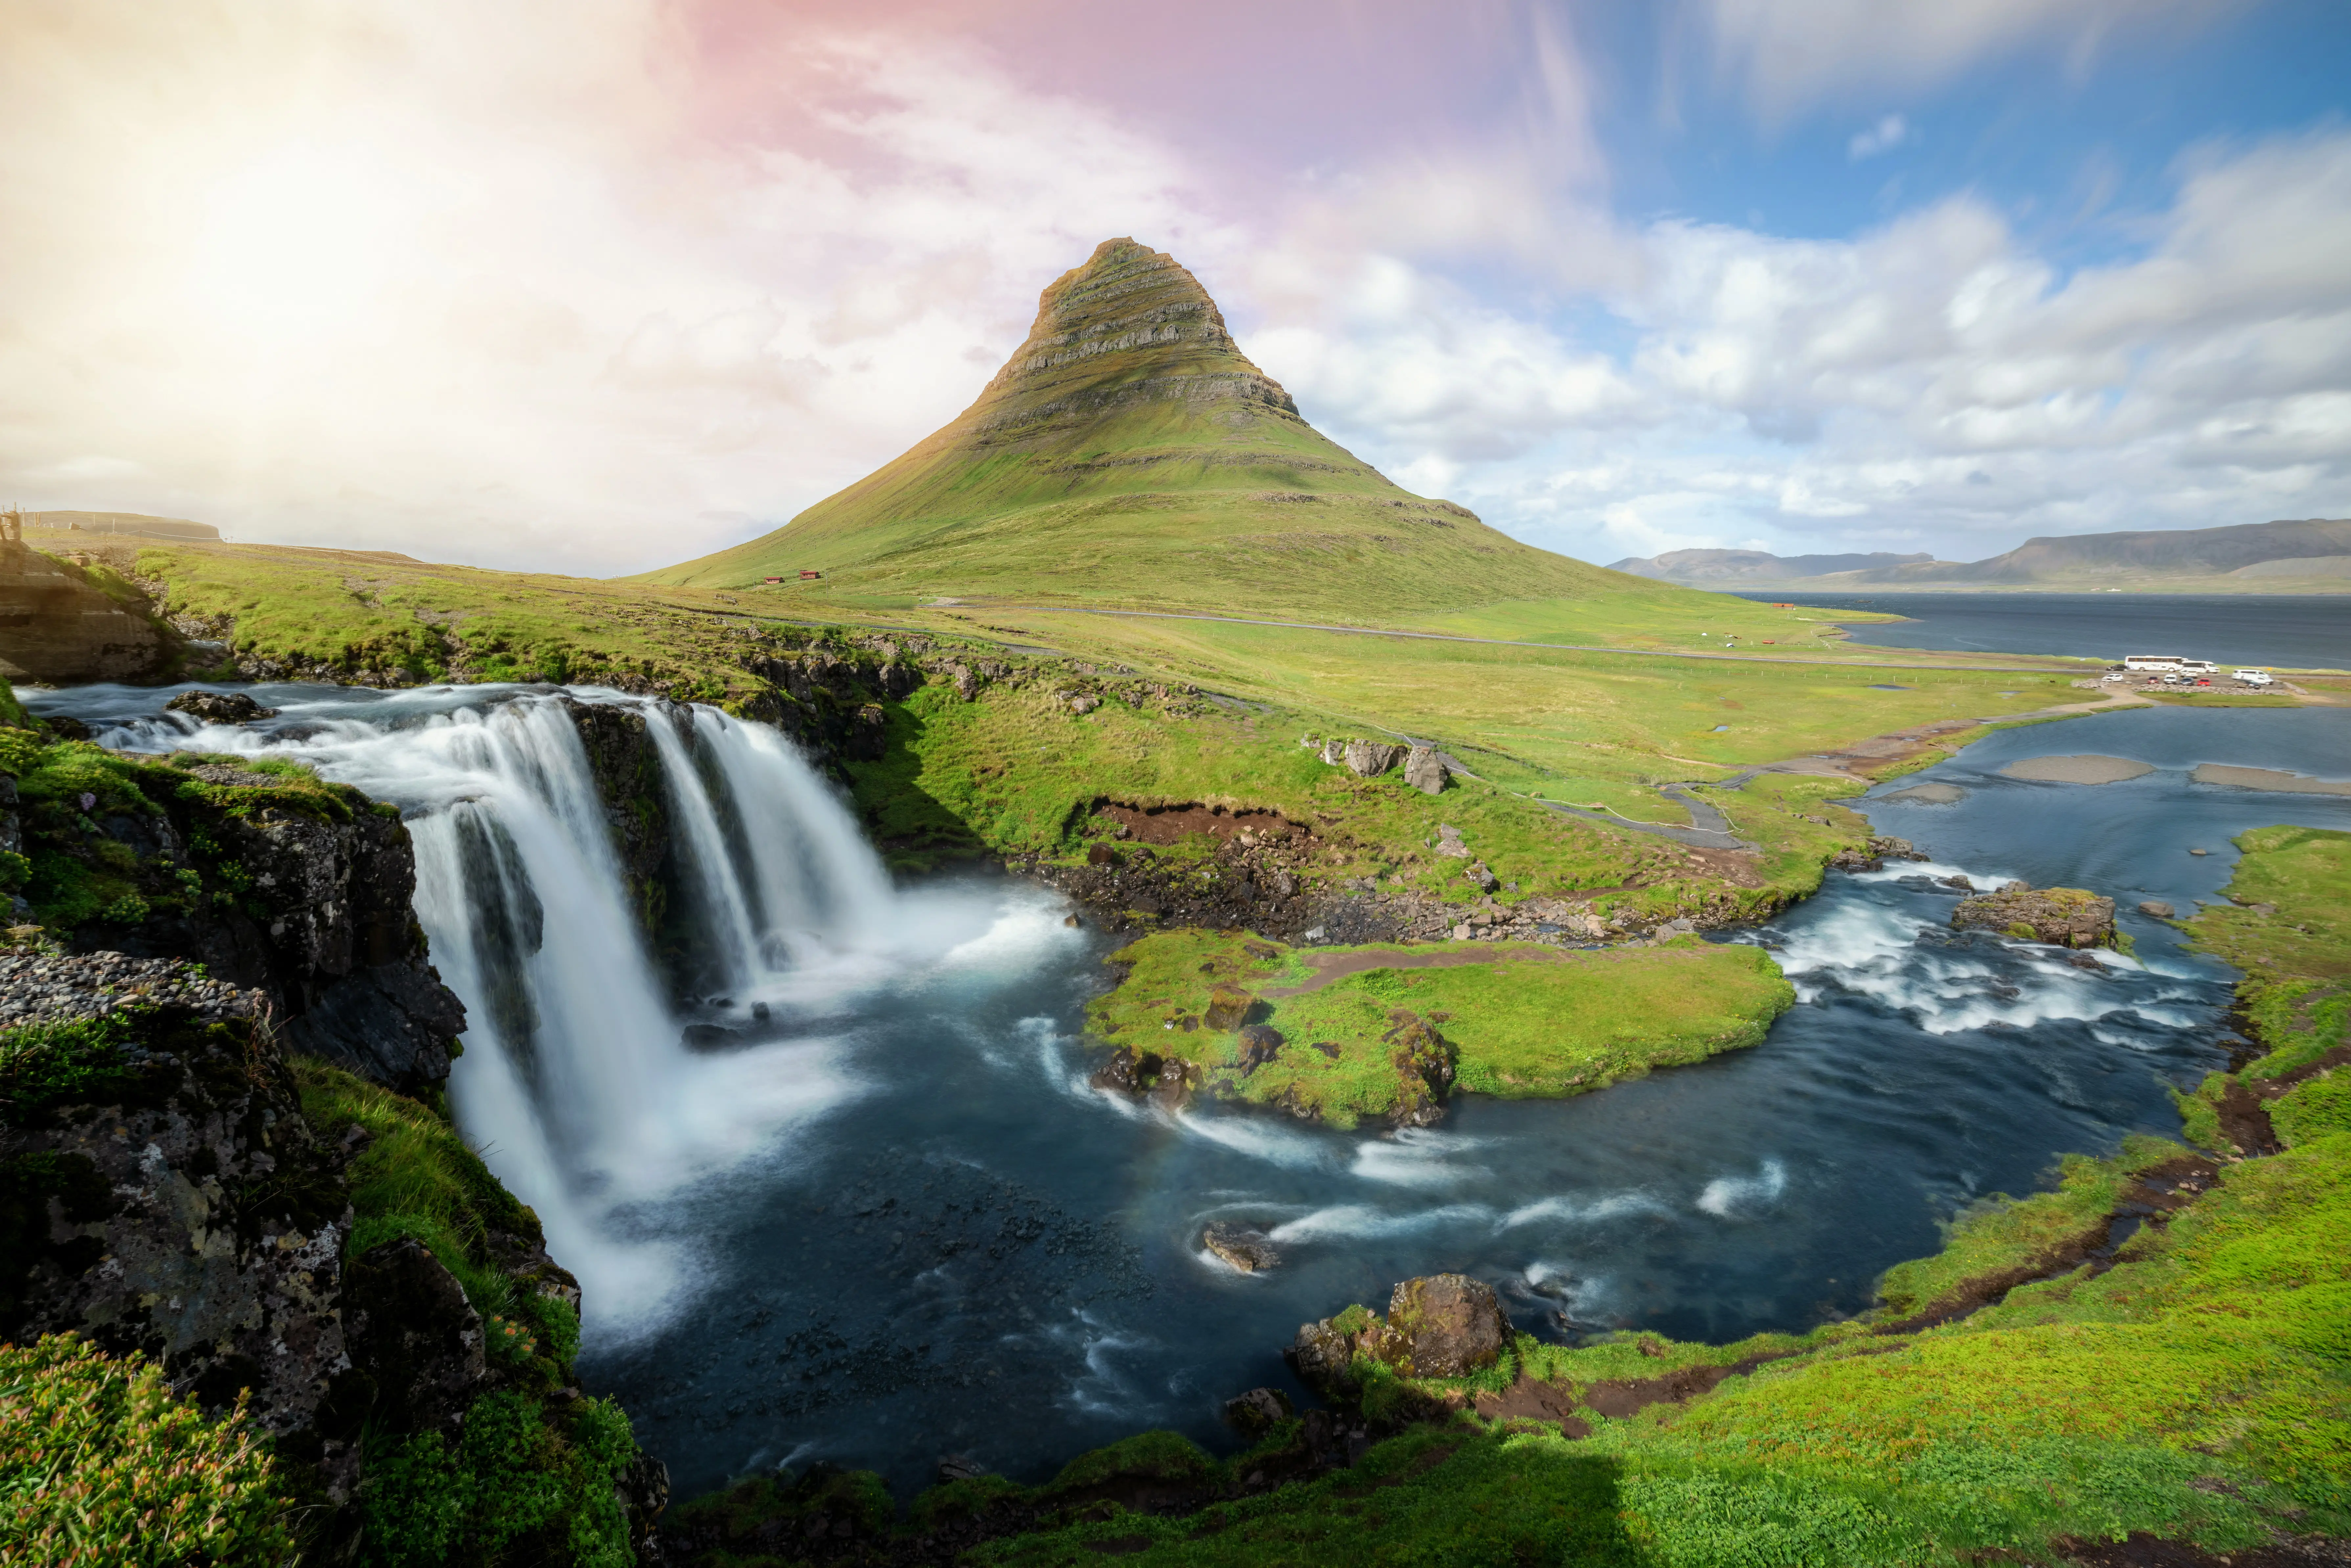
column 274, row 880
column 235, row 1170
column 64, row 622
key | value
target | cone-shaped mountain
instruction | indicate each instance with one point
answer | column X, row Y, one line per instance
column 1129, row 452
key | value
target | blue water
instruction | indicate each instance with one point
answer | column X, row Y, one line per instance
column 2292, row 630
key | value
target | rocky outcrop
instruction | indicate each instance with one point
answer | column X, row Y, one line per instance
column 2063, row 916
column 1444, row 1325
column 1425, row 770
column 164, row 1190
column 1873, row 856
column 1439, row 1325
column 310, row 894
column 168, row 1198
column 1425, row 1062
column 59, row 623
column 1258, row 1412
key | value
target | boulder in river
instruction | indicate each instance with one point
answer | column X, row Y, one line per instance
column 2157, row 909
column 2064, row 917
column 1244, row 1247
column 219, row 707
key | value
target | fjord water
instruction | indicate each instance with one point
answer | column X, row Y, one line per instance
column 2294, row 630
column 890, row 1220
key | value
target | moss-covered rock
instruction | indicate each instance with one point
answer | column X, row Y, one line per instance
column 2063, row 916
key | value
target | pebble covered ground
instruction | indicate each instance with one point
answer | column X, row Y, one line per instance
column 40, row 987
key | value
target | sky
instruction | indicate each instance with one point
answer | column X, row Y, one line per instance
column 598, row 286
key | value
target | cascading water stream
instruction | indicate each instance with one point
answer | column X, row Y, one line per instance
column 574, row 1082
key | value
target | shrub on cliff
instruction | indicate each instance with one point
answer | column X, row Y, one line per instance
column 99, row 1464
column 521, row 1472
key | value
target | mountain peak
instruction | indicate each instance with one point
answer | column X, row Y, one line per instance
column 1129, row 325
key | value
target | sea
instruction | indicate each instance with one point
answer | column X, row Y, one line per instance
column 2288, row 631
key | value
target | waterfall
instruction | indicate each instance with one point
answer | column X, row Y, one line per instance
column 574, row 1082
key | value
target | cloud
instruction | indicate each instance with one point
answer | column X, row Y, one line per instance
column 1792, row 54
column 1888, row 133
column 1935, row 379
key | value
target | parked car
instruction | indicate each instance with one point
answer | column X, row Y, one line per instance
column 2255, row 677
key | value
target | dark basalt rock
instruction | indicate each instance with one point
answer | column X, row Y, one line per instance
column 1128, row 1071
column 192, row 1216
column 313, row 910
column 409, row 1325
column 624, row 760
column 219, row 707
column 1258, row 1412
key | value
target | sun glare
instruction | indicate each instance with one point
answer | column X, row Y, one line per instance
column 295, row 245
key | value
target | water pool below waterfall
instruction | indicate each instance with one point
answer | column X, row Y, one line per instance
column 891, row 1221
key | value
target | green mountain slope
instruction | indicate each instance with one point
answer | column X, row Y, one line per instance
column 1130, row 453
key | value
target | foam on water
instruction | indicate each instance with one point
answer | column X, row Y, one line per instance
column 1734, row 1196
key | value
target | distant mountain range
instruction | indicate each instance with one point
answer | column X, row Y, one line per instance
column 2248, row 555
column 1735, row 565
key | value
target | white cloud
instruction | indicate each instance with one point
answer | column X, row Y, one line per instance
column 1891, row 132
column 1791, row 54
column 1935, row 380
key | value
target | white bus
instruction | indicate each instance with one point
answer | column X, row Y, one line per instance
column 2169, row 663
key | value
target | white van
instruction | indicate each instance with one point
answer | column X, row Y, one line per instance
column 2255, row 677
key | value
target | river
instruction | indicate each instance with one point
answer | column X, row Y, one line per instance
column 888, row 1221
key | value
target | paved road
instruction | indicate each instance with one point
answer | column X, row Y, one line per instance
column 2042, row 668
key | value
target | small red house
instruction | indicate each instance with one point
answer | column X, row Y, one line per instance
column 808, row 576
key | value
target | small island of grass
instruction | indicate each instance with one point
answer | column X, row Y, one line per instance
column 1341, row 1034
